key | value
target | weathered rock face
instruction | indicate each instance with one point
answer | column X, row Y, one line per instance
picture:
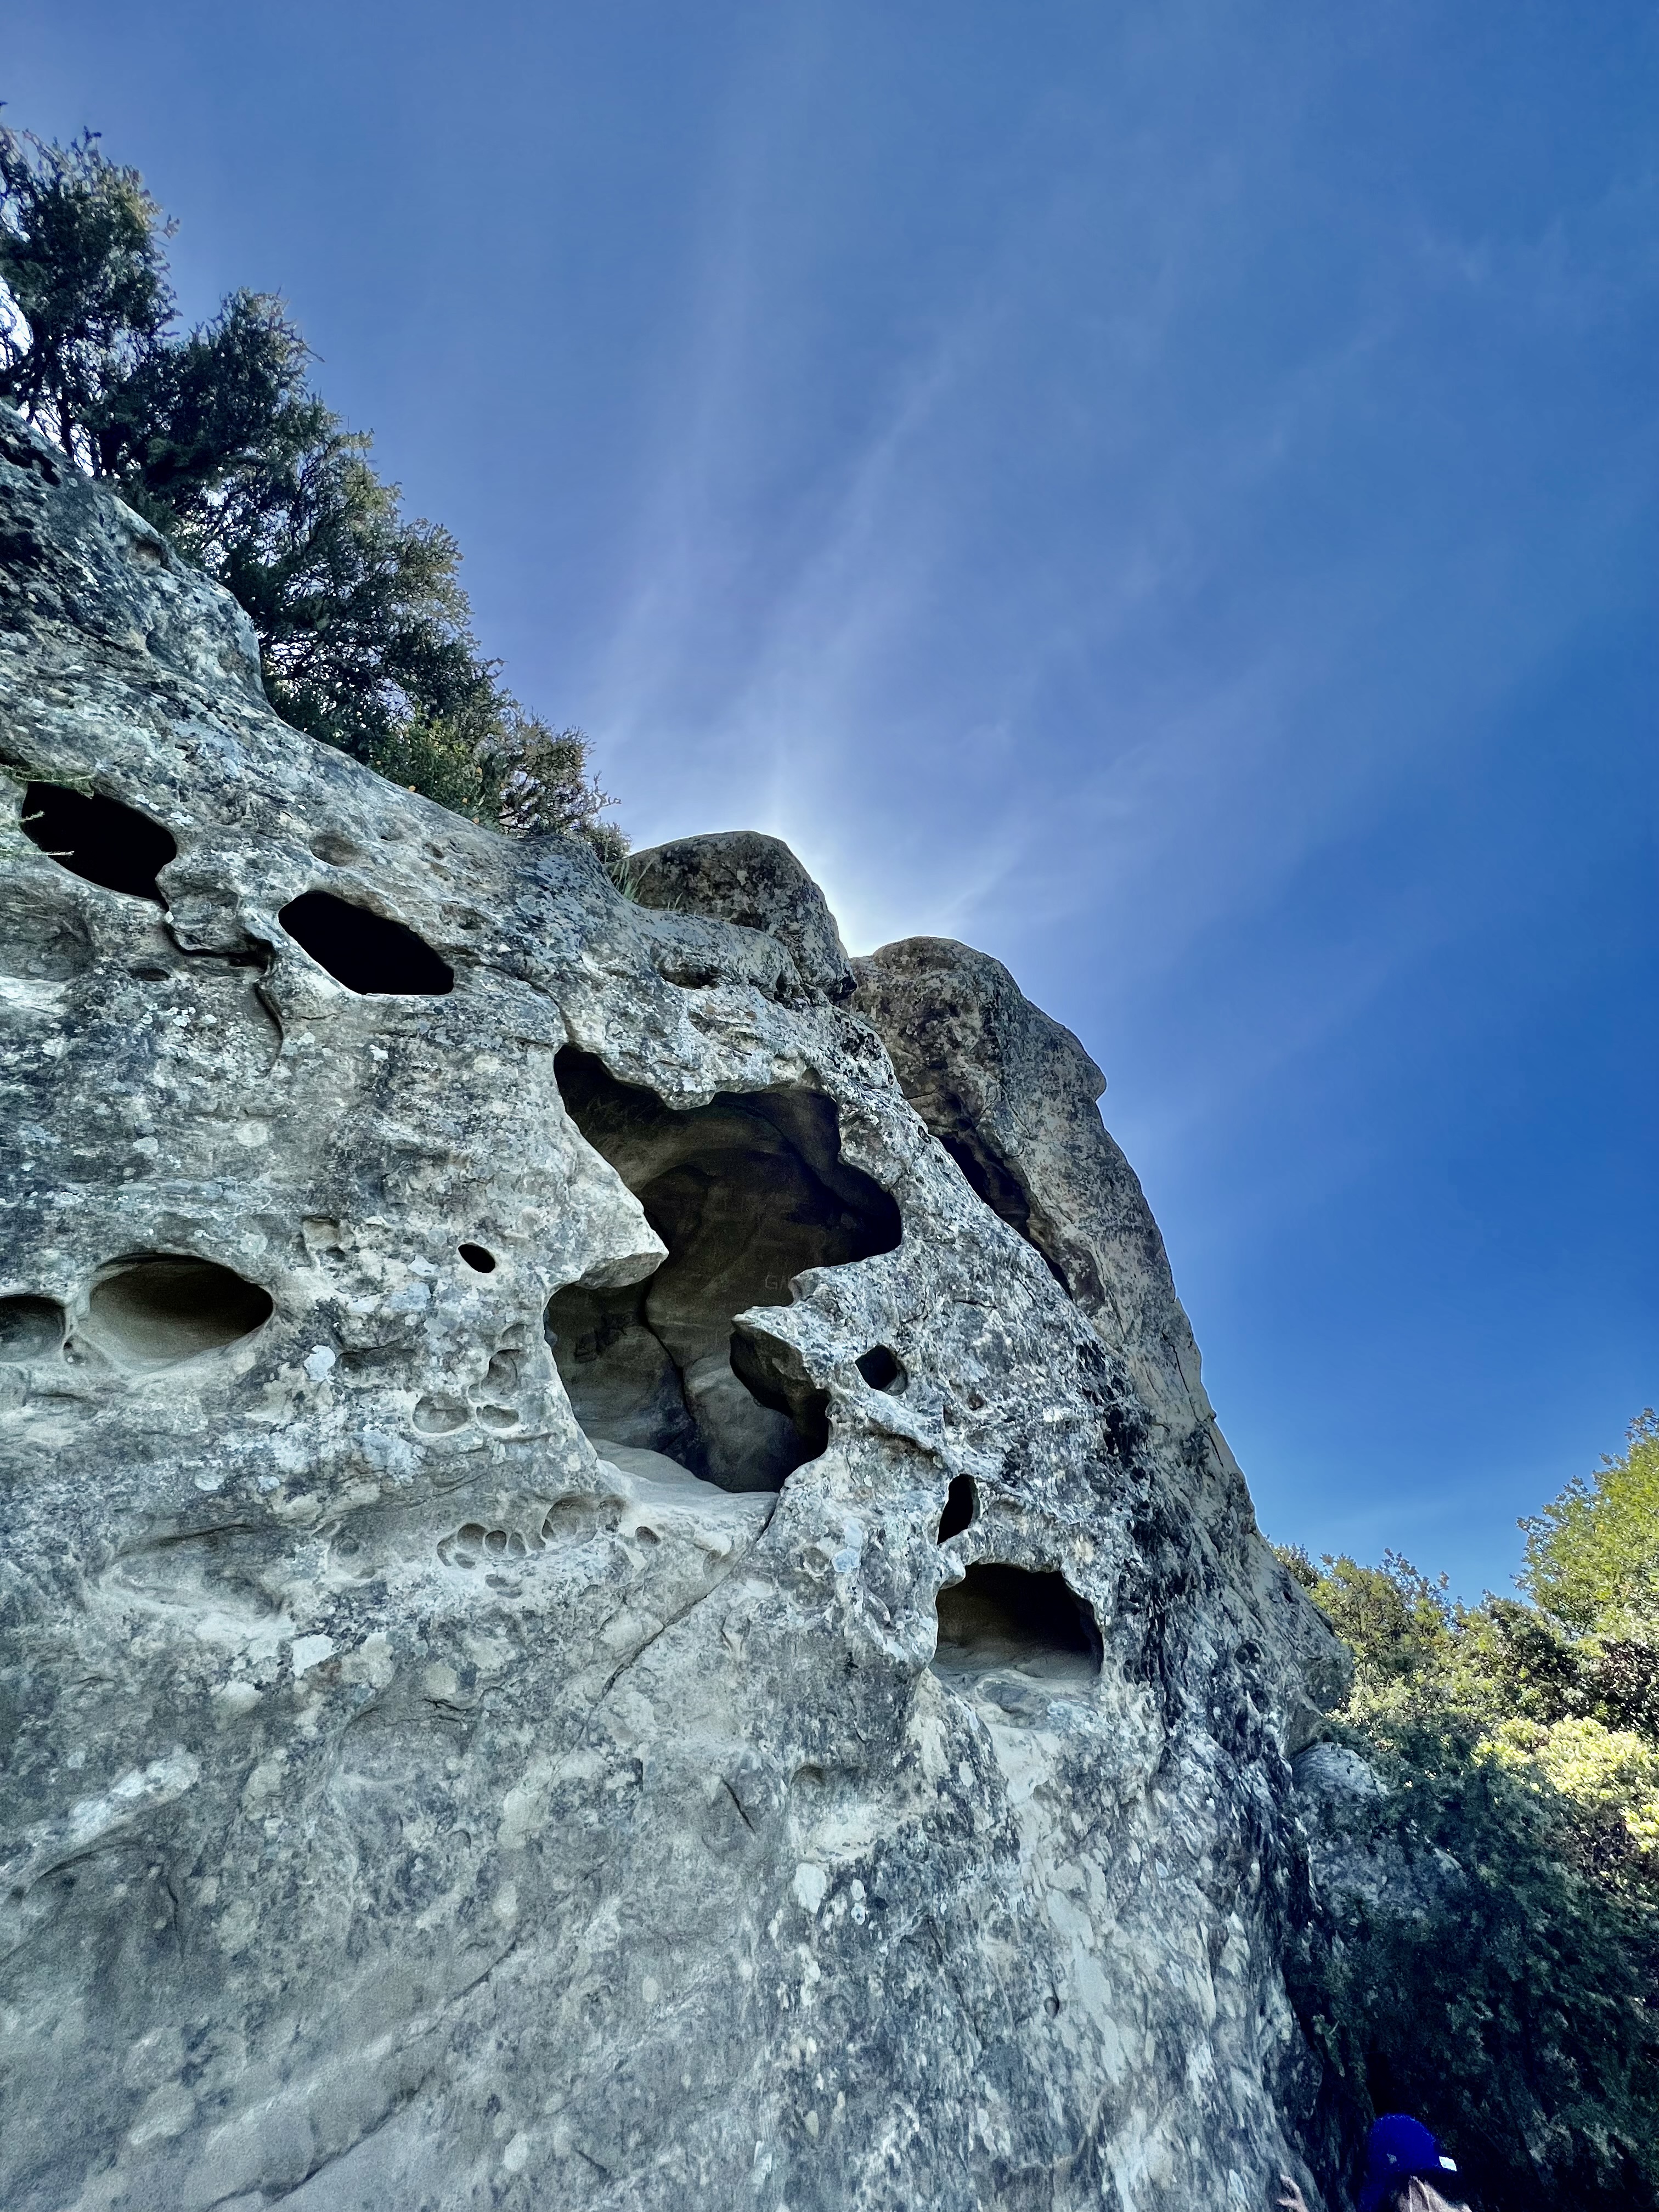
column 757, row 882
column 583, row 1620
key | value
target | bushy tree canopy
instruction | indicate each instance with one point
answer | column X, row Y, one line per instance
column 1592, row 1554
column 216, row 436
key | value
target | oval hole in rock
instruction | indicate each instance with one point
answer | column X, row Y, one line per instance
column 747, row 1193
column 440, row 1417
column 961, row 1508
column 366, row 951
column 99, row 839
column 882, row 1370
column 475, row 1256
column 157, row 1310
column 999, row 1616
column 30, row 1328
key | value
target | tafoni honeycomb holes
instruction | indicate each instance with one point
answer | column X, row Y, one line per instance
column 747, row 1193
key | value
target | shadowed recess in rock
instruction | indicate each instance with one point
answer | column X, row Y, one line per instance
column 30, row 1328
column 746, row 1192
column 991, row 1180
column 882, row 1370
column 366, row 951
column 155, row 1309
column 1001, row 1616
column 99, row 838
column 960, row 1507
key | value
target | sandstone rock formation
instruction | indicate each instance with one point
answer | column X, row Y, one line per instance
column 757, row 883
column 606, row 1602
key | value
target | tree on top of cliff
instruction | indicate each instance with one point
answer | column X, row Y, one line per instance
column 215, row 435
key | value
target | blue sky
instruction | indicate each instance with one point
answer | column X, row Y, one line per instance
column 1163, row 492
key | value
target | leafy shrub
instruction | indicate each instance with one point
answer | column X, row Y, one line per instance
column 1592, row 1553
column 1485, row 1946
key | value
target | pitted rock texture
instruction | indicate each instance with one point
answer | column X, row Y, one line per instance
column 740, row 876
column 582, row 1621
column 1010, row 1095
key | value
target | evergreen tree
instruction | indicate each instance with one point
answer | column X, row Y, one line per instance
column 217, row 437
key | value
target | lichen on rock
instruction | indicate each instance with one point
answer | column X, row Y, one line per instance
column 586, row 1616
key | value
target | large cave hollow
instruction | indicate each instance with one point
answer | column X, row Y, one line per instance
column 1001, row 1616
column 746, row 1192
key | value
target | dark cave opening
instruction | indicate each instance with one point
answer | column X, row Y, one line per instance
column 961, row 1508
column 30, row 1328
column 99, row 839
column 368, row 952
column 1001, row 1616
column 746, row 1192
column 882, row 1370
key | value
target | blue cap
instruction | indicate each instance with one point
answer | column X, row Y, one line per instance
column 1397, row 2148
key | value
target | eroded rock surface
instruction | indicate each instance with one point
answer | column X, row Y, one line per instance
column 755, row 881
column 582, row 1620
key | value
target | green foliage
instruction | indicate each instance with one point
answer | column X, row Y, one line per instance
column 216, row 436
column 544, row 785
column 1503, row 1980
column 1592, row 1555
column 1502, row 1994
column 1396, row 1619
column 362, row 624
column 1605, row 1782
column 80, row 256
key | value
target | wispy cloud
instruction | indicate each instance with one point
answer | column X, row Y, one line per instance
column 1161, row 492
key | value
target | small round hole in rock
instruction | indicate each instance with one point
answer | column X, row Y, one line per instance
column 30, row 1328
column 475, row 1256
column 99, row 839
column 882, row 1370
column 961, row 1508
column 156, row 1309
column 368, row 952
